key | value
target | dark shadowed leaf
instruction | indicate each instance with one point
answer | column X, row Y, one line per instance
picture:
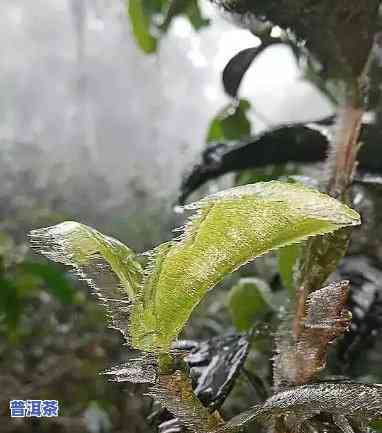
column 214, row 366
column 365, row 304
column 297, row 143
column 236, row 68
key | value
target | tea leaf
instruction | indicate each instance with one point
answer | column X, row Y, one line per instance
column 107, row 265
column 246, row 303
column 228, row 230
column 287, row 258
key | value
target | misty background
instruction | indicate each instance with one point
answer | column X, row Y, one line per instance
column 105, row 131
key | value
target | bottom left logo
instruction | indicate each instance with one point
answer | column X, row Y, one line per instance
column 33, row 408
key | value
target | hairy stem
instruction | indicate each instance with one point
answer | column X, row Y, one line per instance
column 345, row 148
column 174, row 392
column 322, row 254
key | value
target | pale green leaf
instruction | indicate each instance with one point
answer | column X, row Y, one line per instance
column 287, row 259
column 247, row 303
column 228, row 230
column 107, row 265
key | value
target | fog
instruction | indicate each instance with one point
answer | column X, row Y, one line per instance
column 108, row 131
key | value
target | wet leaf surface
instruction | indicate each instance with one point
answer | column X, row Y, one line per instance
column 214, row 367
column 365, row 304
column 295, row 143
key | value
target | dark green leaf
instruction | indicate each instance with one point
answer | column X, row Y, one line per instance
column 10, row 304
column 55, row 280
column 276, row 147
column 188, row 8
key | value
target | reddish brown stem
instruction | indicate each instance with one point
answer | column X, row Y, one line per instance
column 345, row 148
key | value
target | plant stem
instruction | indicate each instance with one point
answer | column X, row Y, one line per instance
column 321, row 255
column 345, row 148
column 175, row 393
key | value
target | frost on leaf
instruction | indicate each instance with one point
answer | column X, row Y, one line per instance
column 140, row 369
column 348, row 403
column 228, row 230
column 175, row 393
column 108, row 266
column 302, row 352
column 214, row 365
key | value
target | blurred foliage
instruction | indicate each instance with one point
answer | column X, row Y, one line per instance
column 140, row 22
column 53, row 343
column 151, row 18
column 22, row 279
column 54, row 339
column 231, row 123
column 247, row 304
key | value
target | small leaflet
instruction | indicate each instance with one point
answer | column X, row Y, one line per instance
column 109, row 267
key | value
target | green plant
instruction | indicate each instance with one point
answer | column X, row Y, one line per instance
column 150, row 297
